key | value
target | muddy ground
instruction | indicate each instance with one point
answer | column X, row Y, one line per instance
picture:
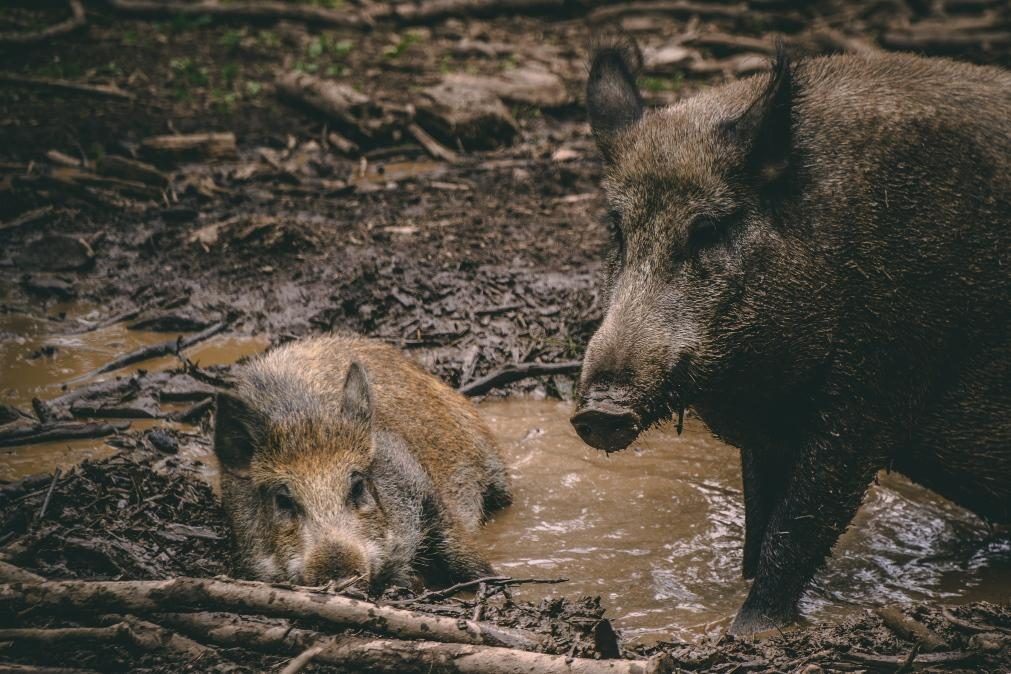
column 481, row 256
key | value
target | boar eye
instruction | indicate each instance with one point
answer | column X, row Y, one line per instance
column 703, row 233
column 357, row 494
column 284, row 503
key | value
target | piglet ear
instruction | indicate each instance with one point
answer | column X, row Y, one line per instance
column 357, row 403
column 238, row 430
column 612, row 97
column 764, row 130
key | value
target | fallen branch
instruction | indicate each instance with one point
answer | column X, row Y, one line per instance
column 197, row 594
column 895, row 661
column 341, row 103
column 511, row 373
column 935, row 41
column 76, row 21
column 138, row 633
column 386, row 655
column 54, row 432
column 910, row 629
column 970, row 626
column 156, row 351
column 249, row 11
column 436, row 10
column 678, row 7
column 100, row 90
column 32, row 217
column 501, row 581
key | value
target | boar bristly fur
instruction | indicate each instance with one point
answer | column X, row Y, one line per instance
column 815, row 260
column 342, row 459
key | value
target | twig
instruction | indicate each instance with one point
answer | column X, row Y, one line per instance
column 101, row 90
column 147, row 597
column 502, row 581
column 49, row 496
column 30, row 218
column 302, row 660
column 53, row 432
column 678, row 7
column 15, row 574
column 944, row 658
column 76, row 21
column 970, row 626
column 250, row 11
column 431, row 145
column 155, row 351
column 512, row 373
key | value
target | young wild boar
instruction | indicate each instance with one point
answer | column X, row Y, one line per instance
column 341, row 458
column 816, row 260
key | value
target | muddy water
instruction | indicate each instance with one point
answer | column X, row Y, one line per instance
column 657, row 531
column 39, row 355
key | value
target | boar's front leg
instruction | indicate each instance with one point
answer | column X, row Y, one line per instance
column 764, row 480
column 825, row 487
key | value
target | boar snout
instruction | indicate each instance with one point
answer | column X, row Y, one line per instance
column 605, row 422
column 334, row 561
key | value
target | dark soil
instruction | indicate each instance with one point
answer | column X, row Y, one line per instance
column 469, row 265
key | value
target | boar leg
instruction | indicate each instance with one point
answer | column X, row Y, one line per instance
column 763, row 489
column 823, row 492
column 462, row 561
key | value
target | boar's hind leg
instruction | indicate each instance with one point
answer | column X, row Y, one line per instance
column 763, row 479
column 823, row 491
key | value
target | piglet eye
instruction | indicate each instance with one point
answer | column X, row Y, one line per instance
column 359, row 492
column 284, row 503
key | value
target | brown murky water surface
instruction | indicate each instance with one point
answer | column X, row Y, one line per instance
column 39, row 356
column 655, row 530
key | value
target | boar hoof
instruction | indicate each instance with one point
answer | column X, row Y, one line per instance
column 752, row 622
column 606, row 426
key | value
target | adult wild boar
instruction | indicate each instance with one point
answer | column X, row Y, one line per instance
column 816, row 261
column 341, row 459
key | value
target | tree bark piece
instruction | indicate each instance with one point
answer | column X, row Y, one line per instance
column 249, row 11
column 189, row 147
column 77, row 20
column 195, row 594
column 340, row 102
column 431, row 145
column 511, row 373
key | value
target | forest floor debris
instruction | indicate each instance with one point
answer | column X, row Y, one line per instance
column 283, row 169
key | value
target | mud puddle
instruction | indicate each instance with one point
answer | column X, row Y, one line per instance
column 40, row 355
column 657, row 531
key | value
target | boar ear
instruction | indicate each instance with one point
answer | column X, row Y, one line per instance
column 612, row 97
column 763, row 131
column 357, row 403
column 238, row 429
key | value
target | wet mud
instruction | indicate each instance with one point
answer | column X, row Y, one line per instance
column 468, row 264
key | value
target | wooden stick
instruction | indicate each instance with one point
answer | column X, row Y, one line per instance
column 100, row 90
column 910, row 629
column 896, row 661
column 679, row 7
column 431, row 145
column 195, row 594
column 156, row 351
column 355, row 654
column 511, row 373
column 53, row 432
column 302, row 660
column 76, row 21
column 32, row 217
column 251, row 11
